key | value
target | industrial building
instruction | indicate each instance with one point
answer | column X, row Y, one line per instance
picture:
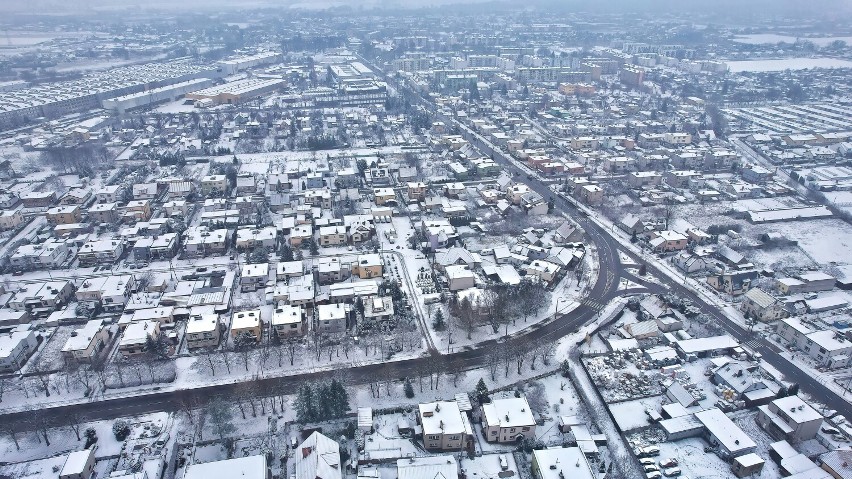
column 157, row 95
column 235, row 92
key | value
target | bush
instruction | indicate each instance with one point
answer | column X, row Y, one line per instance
column 564, row 368
column 91, row 437
column 121, row 429
column 409, row 389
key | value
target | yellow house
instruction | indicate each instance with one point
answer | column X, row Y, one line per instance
column 368, row 266
column 64, row 215
column 246, row 323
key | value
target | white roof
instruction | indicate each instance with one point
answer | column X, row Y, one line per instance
column 563, row 463
column 318, row 457
column 138, row 332
column 509, row 412
column 432, row 467
column 287, row 314
column 458, row 271
column 246, row 319
column 84, row 336
column 724, row 430
column 443, row 417
column 328, row 312
column 251, row 467
column 76, row 462
column 204, row 323
column 797, row 410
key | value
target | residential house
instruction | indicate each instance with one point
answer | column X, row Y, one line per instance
column 79, row 465
column 378, row 308
column 135, row 337
column 384, row 196
column 561, row 463
column 16, row 347
column 734, row 283
column 758, row 304
column 145, row 191
column 545, row 271
column 202, row 241
column 368, row 266
column 317, row 457
column 589, row 194
column 723, row 434
column 289, row 269
column 426, row 467
column 41, row 299
column 251, row 238
column 137, row 210
column 11, row 219
column 332, row 318
column 789, row 418
column 104, row 213
column 203, row 331
column 246, row 324
column 86, row 343
column 300, row 234
column 63, row 215
column 249, row 467
column 332, row 235
column 110, row 194
column 668, row 240
column 104, row 251
column 445, row 427
column 459, row 277
column 214, row 185
column 289, row 320
column 508, row 420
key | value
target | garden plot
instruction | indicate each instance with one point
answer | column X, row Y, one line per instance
column 618, row 379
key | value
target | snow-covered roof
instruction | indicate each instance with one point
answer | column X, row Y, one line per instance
column 75, row 463
column 443, row 417
column 432, row 467
column 729, row 435
column 508, row 412
column 318, row 457
column 251, row 467
column 563, row 462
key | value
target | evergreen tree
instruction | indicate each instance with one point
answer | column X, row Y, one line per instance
column 305, row 410
column 221, row 418
column 482, row 391
column 325, row 406
column 408, row 388
column 439, row 323
column 793, row 389
column 285, row 252
column 340, row 398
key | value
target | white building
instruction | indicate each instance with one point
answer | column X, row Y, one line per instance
column 318, row 457
column 250, row 467
column 507, row 420
column 15, row 348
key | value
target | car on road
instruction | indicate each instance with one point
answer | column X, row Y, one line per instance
column 671, row 472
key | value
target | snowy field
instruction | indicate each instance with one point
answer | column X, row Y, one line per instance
column 781, row 64
column 774, row 38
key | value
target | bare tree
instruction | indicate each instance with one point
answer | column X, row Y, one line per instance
column 3, row 385
column 291, row 346
column 244, row 345
column 226, row 359
column 41, row 370
column 466, row 316
column 40, row 425
column 10, row 429
column 74, row 420
column 86, row 377
column 455, row 375
column 492, row 361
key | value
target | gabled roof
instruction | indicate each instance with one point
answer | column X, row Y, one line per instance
column 318, row 457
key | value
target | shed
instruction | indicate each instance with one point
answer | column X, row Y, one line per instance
column 365, row 419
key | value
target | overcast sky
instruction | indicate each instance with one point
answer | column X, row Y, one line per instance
column 765, row 7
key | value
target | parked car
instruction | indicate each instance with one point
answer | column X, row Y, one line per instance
column 651, row 468
column 668, row 462
column 646, row 461
column 651, row 451
column 671, row 472
column 653, row 475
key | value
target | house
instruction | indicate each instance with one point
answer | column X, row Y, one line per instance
column 692, row 262
column 317, row 457
column 203, row 331
column 105, row 251
column 145, row 191
column 838, row 463
column 738, row 377
column 331, row 270
column 332, row 235
column 104, row 213
column 137, row 210
column 458, row 256
column 561, row 463
column 568, row 232
column 331, row 318
column 721, row 432
column 378, row 308
column 164, row 315
column 758, row 304
column 202, row 241
column 640, row 179
column 289, row 320
column 249, row 467
column 668, row 240
column 63, row 215
column 10, row 219
column 445, row 427
column 589, row 194
column 135, row 337
column 428, row 467
column 176, row 208
column 289, row 269
column 416, row 190
column 86, row 343
column 384, row 196
column 534, row 204
column 110, row 194
column 111, row 292
column 829, row 348
column 747, row 465
column 545, row 271
column 79, row 465
column 246, row 324
column 734, row 283
column 41, row 299
column 459, row 277
column 318, row 198
column 47, row 255
column 632, row 225
column 15, row 348
column 300, row 234
column 507, row 420
column 789, row 418
column 368, row 266
column 250, row 238
column 214, row 185
column 439, row 233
